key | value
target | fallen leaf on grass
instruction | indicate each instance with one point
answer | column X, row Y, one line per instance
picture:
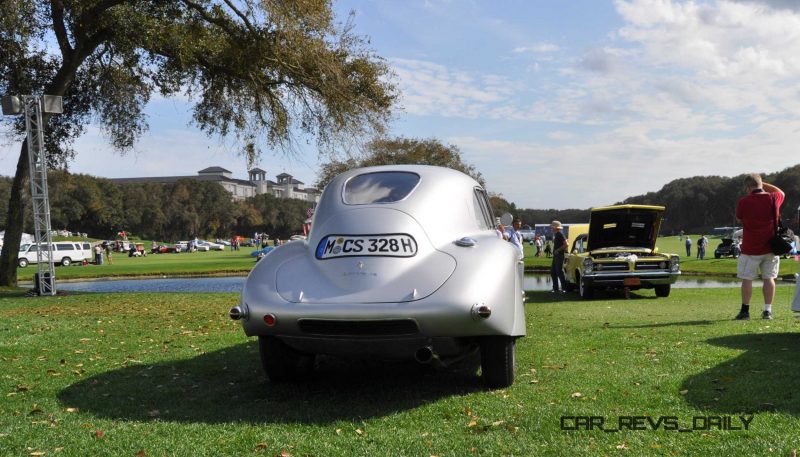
column 72, row 410
column 576, row 395
column 99, row 434
column 359, row 431
column 261, row 446
column 683, row 392
column 623, row 446
column 141, row 453
column 37, row 453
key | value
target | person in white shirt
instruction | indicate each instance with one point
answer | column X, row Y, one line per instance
column 515, row 237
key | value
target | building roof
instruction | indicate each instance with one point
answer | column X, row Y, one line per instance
column 172, row 179
column 257, row 170
column 214, row 170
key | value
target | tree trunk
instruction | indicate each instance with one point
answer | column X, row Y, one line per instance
column 15, row 221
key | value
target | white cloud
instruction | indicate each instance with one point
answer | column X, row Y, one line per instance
column 609, row 167
column 433, row 89
column 538, row 48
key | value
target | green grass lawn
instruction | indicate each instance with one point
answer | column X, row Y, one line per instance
column 186, row 264
column 171, row 375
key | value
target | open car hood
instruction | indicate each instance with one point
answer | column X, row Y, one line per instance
column 627, row 226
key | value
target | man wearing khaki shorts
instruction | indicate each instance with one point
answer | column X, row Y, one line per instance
column 755, row 212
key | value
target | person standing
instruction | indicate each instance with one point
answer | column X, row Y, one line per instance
column 515, row 237
column 757, row 211
column 500, row 231
column 98, row 254
column 701, row 247
column 688, row 243
column 559, row 251
column 538, row 243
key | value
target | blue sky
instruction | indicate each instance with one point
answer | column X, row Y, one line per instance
column 560, row 104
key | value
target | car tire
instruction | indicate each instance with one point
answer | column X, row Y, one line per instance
column 282, row 363
column 66, row 261
column 663, row 291
column 498, row 361
column 717, row 255
column 584, row 290
column 22, row 263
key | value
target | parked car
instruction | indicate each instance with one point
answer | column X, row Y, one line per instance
column 528, row 234
column 403, row 262
column 203, row 245
column 619, row 252
column 64, row 253
column 262, row 252
column 164, row 249
column 729, row 247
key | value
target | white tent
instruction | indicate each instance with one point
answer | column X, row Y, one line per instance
column 27, row 238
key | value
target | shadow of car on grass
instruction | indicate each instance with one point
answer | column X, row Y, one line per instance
column 763, row 378
column 228, row 385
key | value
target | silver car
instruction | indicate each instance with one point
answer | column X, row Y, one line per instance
column 402, row 262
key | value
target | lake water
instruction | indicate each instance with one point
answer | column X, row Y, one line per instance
column 235, row 283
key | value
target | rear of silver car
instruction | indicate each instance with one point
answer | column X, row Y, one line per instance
column 372, row 281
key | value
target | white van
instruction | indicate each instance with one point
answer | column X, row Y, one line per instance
column 64, row 252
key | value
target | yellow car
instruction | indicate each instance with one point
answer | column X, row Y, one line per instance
column 619, row 252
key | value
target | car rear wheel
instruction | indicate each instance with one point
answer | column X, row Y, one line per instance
column 23, row 263
column 663, row 291
column 281, row 363
column 498, row 361
column 66, row 261
column 584, row 289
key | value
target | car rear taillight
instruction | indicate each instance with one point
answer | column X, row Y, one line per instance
column 270, row 320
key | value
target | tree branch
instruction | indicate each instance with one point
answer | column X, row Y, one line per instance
column 242, row 16
column 57, row 10
column 223, row 24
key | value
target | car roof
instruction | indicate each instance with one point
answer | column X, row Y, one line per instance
column 441, row 202
column 629, row 206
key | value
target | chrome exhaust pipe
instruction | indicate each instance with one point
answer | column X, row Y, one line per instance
column 237, row 313
column 424, row 355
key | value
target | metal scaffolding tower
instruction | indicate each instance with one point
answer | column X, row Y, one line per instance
column 37, row 158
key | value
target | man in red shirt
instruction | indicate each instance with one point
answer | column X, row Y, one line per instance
column 755, row 212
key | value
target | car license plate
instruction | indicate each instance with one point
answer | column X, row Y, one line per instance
column 386, row 245
column 631, row 282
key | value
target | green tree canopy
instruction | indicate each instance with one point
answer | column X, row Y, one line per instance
column 391, row 151
column 263, row 72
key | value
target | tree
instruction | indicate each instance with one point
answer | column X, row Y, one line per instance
column 259, row 71
column 385, row 151
column 501, row 206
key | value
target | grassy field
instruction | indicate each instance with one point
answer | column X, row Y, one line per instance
column 240, row 263
column 182, row 264
column 171, row 375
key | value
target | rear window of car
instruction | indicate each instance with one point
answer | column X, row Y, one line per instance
column 379, row 187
